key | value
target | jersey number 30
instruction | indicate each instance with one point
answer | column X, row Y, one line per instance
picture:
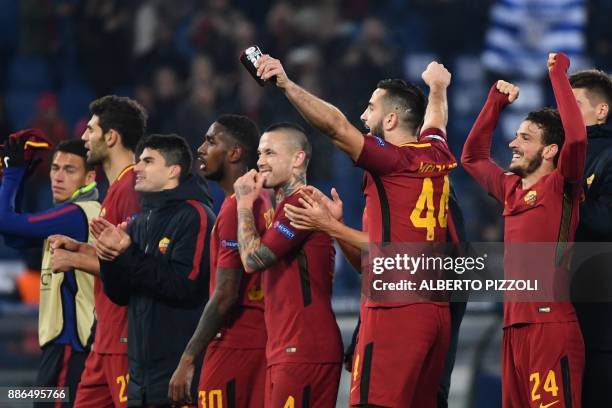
column 423, row 214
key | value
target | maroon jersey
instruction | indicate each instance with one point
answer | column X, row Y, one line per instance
column 406, row 188
column 120, row 204
column 544, row 212
column 246, row 327
column 300, row 322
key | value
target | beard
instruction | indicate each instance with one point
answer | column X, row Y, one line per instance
column 377, row 130
column 94, row 159
column 531, row 167
column 216, row 175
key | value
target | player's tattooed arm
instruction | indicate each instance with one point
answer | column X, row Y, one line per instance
column 227, row 289
column 253, row 253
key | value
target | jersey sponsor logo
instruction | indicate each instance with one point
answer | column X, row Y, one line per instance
column 285, row 230
column 548, row 405
column 228, row 243
column 379, row 141
column 530, row 197
column 590, row 179
column 163, row 245
column 103, row 212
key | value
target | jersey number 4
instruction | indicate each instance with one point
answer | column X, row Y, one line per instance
column 423, row 214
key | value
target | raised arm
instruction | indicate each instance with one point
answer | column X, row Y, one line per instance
column 320, row 114
column 437, row 78
column 476, row 156
column 573, row 154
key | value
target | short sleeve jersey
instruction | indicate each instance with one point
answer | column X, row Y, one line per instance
column 246, row 327
column 298, row 287
column 121, row 204
column 406, row 189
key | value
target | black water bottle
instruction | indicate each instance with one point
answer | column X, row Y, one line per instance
column 248, row 58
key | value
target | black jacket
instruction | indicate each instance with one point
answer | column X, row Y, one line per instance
column 595, row 275
column 163, row 277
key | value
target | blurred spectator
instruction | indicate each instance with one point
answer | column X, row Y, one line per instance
column 197, row 113
column 104, row 40
column 167, row 92
column 48, row 119
column 370, row 58
column 212, row 31
column 5, row 125
column 38, row 31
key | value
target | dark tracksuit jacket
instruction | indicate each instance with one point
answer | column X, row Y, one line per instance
column 593, row 274
column 163, row 279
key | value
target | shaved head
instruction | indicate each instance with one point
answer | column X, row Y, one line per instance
column 295, row 139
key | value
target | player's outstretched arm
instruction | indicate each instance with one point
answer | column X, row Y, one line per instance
column 573, row 154
column 438, row 79
column 227, row 288
column 322, row 115
column 476, row 155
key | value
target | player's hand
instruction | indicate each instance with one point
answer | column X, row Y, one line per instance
column 552, row 59
column 436, row 75
column 62, row 261
column 558, row 61
column 334, row 205
column 248, row 186
column 13, row 152
column 179, row 389
column 112, row 242
column 97, row 225
column 268, row 67
column 311, row 216
column 509, row 89
column 58, row 241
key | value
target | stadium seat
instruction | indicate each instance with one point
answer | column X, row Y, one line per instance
column 29, row 73
column 21, row 106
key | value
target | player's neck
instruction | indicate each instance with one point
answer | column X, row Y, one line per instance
column 294, row 184
column 116, row 163
column 400, row 138
column 531, row 179
column 230, row 177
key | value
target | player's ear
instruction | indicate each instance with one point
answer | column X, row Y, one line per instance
column 90, row 177
column 236, row 154
column 111, row 138
column 391, row 121
column 175, row 172
column 550, row 151
column 603, row 110
column 300, row 159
